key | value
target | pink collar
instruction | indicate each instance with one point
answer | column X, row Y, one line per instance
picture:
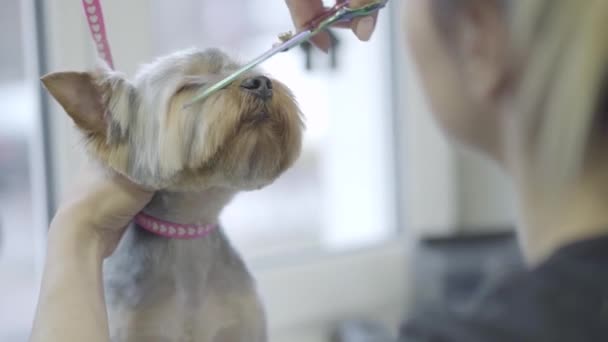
column 173, row 230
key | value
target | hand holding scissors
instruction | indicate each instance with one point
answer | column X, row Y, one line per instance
column 303, row 10
column 342, row 14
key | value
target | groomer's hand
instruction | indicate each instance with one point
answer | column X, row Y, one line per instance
column 98, row 209
column 85, row 230
column 302, row 11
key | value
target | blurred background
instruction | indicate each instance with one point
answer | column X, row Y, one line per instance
column 379, row 217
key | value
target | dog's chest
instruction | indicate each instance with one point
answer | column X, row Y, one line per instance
column 160, row 289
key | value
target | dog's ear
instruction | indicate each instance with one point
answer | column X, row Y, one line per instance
column 81, row 97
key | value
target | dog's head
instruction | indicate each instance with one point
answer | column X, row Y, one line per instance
column 241, row 137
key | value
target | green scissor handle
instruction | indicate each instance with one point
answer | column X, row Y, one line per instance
column 340, row 13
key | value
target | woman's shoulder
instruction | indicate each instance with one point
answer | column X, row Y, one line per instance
column 563, row 299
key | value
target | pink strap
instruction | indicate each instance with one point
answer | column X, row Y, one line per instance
column 94, row 15
column 173, row 230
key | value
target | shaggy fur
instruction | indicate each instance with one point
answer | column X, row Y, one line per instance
column 197, row 159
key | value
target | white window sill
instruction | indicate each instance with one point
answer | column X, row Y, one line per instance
column 307, row 298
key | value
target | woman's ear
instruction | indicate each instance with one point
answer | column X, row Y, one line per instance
column 81, row 97
column 482, row 44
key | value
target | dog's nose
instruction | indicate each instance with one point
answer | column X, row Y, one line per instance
column 260, row 86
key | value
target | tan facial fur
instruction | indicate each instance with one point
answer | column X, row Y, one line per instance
column 141, row 129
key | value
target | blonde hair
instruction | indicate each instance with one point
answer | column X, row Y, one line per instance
column 564, row 53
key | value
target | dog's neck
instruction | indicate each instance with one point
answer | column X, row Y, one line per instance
column 202, row 207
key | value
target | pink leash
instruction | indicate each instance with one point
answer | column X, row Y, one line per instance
column 94, row 15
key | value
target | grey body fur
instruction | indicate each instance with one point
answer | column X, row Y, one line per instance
column 160, row 289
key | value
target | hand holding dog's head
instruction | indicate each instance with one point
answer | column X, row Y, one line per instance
column 241, row 137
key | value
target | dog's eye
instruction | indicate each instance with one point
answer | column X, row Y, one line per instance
column 190, row 86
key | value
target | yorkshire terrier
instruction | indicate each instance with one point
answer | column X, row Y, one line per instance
column 174, row 275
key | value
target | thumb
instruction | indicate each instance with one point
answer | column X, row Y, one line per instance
column 363, row 27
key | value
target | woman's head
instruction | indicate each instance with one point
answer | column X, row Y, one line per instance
column 522, row 80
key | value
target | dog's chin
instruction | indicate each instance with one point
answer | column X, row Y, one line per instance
column 261, row 151
column 248, row 143
column 262, row 154
column 256, row 117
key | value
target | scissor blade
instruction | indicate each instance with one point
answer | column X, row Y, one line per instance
column 293, row 41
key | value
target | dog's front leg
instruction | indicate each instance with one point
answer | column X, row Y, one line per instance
column 242, row 332
column 234, row 316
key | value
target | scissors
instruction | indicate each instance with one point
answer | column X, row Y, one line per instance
column 340, row 13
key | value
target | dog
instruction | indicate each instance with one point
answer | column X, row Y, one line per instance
column 196, row 158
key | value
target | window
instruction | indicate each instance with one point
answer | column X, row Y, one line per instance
column 22, row 194
column 341, row 191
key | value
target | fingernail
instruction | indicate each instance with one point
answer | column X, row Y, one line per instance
column 365, row 28
column 324, row 49
column 323, row 42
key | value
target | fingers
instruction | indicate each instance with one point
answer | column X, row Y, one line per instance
column 120, row 199
column 135, row 191
column 99, row 208
column 302, row 12
column 322, row 40
column 364, row 27
column 107, row 199
column 94, row 176
column 110, row 204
